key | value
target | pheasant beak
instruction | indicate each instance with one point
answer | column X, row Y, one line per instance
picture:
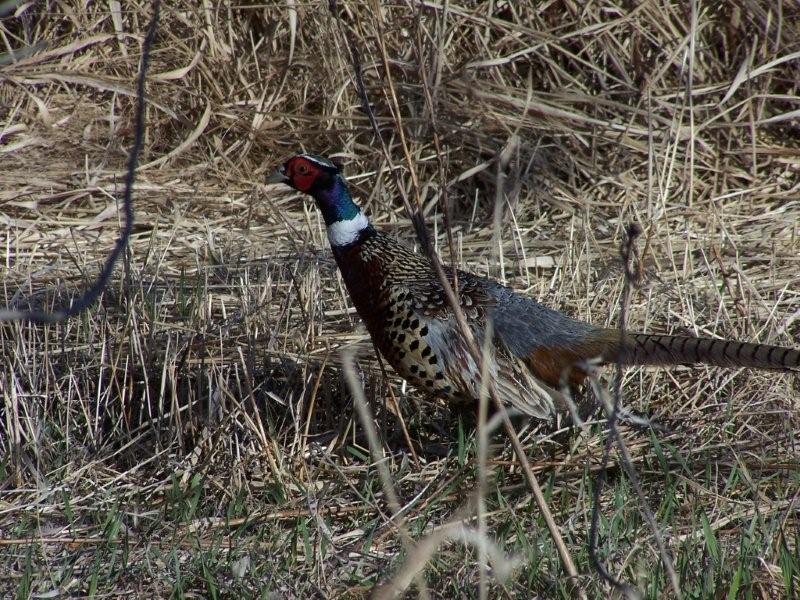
column 279, row 176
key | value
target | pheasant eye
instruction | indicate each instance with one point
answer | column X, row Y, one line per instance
column 302, row 169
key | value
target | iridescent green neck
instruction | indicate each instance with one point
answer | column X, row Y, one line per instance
column 345, row 222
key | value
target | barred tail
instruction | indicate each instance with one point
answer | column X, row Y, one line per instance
column 646, row 349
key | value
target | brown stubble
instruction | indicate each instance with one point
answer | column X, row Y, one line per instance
column 210, row 361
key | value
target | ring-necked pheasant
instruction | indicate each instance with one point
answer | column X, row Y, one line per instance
column 398, row 295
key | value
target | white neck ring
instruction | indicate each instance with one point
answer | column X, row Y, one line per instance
column 343, row 233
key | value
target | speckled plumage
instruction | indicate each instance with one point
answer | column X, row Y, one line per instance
column 397, row 294
column 533, row 348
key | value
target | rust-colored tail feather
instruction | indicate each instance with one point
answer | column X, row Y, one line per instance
column 647, row 349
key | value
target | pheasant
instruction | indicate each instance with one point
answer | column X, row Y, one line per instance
column 533, row 348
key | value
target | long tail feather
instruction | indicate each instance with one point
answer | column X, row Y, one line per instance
column 647, row 349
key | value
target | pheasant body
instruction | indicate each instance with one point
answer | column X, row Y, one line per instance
column 534, row 349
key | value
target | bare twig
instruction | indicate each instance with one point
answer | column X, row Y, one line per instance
column 632, row 276
column 364, row 415
column 417, row 219
column 93, row 293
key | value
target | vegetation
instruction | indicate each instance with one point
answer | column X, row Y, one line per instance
column 192, row 434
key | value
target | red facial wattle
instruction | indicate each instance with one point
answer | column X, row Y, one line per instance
column 302, row 174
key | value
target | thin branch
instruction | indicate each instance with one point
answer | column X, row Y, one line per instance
column 93, row 293
column 417, row 219
column 632, row 274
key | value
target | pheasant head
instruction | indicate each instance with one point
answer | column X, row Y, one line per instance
column 322, row 180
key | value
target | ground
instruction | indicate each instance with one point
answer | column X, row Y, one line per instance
column 192, row 434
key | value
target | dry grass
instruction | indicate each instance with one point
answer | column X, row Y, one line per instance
column 192, row 434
